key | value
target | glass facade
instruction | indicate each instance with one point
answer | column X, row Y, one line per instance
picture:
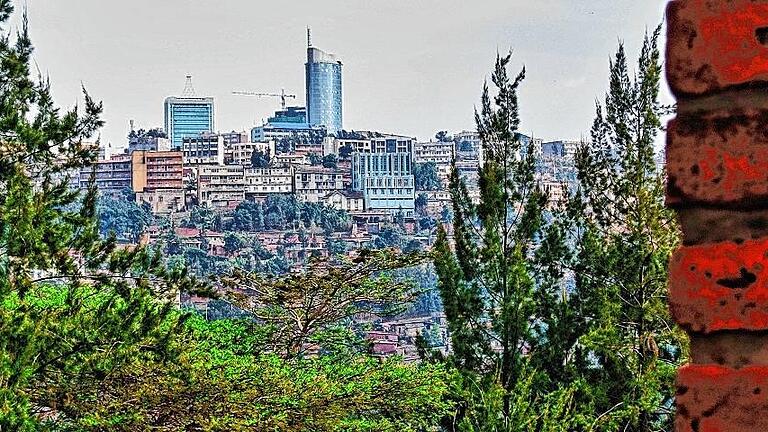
column 324, row 90
column 187, row 117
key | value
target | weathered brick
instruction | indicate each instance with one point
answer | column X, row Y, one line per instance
column 709, row 225
column 718, row 158
column 716, row 44
column 730, row 349
column 720, row 399
column 721, row 286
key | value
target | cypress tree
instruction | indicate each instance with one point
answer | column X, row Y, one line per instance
column 488, row 280
column 622, row 239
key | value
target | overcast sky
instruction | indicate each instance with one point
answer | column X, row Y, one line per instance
column 410, row 66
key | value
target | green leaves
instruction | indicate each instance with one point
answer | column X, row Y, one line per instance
column 622, row 238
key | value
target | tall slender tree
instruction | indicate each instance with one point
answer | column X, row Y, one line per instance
column 71, row 304
column 488, row 280
column 622, row 239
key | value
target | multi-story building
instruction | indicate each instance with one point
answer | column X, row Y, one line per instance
column 221, row 186
column 203, row 149
column 384, row 175
column 241, row 153
column 157, row 179
column 286, row 159
column 354, row 142
column 324, row 89
column 238, row 147
column 157, row 170
column 260, row 182
column 152, row 140
column 561, row 148
column 188, row 117
column 289, row 123
column 439, row 152
column 112, row 175
column 313, row 184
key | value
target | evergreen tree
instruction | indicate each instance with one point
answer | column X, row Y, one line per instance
column 488, row 282
column 72, row 306
column 623, row 237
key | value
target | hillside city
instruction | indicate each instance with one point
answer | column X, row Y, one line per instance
column 309, row 276
column 298, row 187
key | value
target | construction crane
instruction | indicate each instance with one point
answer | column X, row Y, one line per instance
column 282, row 95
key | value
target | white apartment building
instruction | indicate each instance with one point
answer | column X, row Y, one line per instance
column 260, row 182
column 313, row 184
column 221, row 186
column 439, row 152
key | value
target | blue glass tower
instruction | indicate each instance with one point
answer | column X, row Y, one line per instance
column 187, row 117
column 323, row 82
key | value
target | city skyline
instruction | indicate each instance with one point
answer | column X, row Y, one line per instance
column 432, row 85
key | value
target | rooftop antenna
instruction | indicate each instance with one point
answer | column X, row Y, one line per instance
column 309, row 37
column 189, row 90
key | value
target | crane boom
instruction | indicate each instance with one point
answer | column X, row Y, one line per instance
column 282, row 95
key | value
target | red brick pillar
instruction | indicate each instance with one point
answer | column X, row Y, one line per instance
column 717, row 162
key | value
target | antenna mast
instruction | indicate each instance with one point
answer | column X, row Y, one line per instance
column 189, row 90
column 309, row 37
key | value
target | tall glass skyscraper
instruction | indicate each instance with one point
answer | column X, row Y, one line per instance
column 323, row 82
column 187, row 117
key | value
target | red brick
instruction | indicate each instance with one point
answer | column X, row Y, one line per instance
column 718, row 158
column 714, row 44
column 720, row 286
column 720, row 399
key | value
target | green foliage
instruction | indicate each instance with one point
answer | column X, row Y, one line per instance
column 443, row 136
column 203, row 218
column 330, row 161
column 622, row 239
column 425, row 176
column 71, row 304
column 122, row 216
column 224, row 382
column 500, row 283
column 345, row 151
column 260, row 159
column 280, row 212
column 302, row 305
column 421, row 204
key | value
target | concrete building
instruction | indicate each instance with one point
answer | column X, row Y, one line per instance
column 157, row 170
column 260, row 182
column 163, row 201
column 313, row 183
column 221, row 186
column 112, row 175
column 158, row 180
column 188, row 117
column 324, row 89
column 203, row 149
column 384, row 175
column 439, row 152
column 347, row 200
column 240, row 153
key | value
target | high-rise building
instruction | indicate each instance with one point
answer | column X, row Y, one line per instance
column 323, row 82
column 188, row 115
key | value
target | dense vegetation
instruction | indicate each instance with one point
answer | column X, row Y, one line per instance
column 557, row 318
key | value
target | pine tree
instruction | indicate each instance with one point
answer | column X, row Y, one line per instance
column 72, row 306
column 488, row 280
column 623, row 237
